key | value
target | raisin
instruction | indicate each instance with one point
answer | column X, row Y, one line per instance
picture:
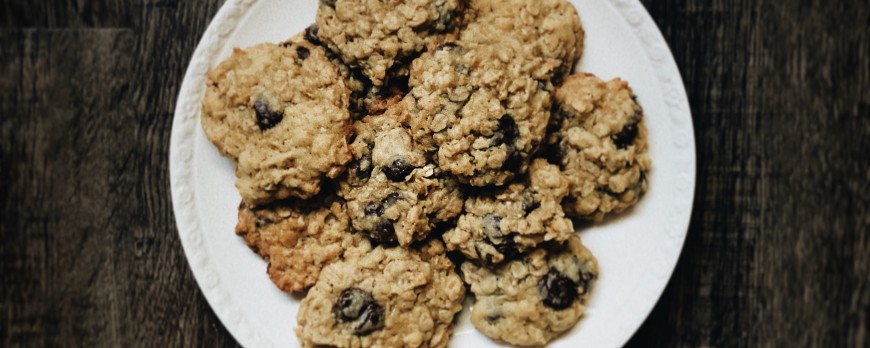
column 302, row 52
column 384, row 232
column 374, row 209
column 398, row 170
column 359, row 307
column 371, row 320
column 626, row 136
column 507, row 248
column 557, row 290
column 350, row 303
column 266, row 118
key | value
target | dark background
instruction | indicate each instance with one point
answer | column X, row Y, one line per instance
column 777, row 254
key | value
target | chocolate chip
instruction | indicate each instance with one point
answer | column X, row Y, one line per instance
column 266, row 118
column 359, row 307
column 302, row 52
column 626, row 136
column 557, row 291
column 398, row 170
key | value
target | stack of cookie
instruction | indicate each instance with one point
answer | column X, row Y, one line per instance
column 392, row 133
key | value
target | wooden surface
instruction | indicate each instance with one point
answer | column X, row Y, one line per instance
column 778, row 252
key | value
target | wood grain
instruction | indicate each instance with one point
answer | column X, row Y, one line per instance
column 777, row 253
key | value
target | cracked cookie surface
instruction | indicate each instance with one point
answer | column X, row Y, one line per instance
column 600, row 143
column 269, row 108
column 389, row 297
column 529, row 301
column 299, row 237
column 481, row 110
column 394, row 192
column 550, row 29
column 499, row 224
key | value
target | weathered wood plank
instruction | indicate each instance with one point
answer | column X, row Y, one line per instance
column 777, row 253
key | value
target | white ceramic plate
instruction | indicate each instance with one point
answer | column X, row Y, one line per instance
column 637, row 252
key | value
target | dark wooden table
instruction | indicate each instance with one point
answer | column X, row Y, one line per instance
column 778, row 252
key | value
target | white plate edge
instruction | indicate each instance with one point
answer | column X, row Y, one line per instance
column 186, row 120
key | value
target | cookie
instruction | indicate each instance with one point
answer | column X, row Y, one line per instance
column 481, row 110
column 389, row 297
column 550, row 29
column 365, row 98
column 528, row 302
column 270, row 108
column 378, row 36
column 394, row 192
column 600, row 144
column 497, row 225
column 299, row 237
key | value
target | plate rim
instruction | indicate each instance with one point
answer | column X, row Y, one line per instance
column 186, row 121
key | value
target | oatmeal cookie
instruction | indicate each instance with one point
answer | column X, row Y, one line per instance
column 499, row 224
column 299, row 237
column 528, row 302
column 365, row 98
column 480, row 109
column 550, row 29
column 394, row 192
column 389, row 297
column 281, row 112
column 600, row 143
column 375, row 35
